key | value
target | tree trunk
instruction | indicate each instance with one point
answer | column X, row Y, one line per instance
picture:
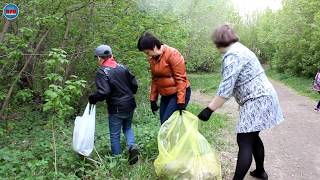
column 66, row 32
column 71, row 66
column 64, row 41
column 4, row 30
column 25, row 80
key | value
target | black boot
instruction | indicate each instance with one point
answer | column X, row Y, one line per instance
column 133, row 155
column 260, row 175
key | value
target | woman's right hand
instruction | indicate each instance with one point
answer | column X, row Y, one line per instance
column 154, row 107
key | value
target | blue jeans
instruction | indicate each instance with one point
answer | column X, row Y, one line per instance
column 116, row 122
column 168, row 105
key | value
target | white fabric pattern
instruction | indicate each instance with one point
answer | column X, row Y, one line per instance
column 244, row 78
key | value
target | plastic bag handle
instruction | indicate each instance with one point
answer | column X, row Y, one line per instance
column 91, row 106
column 180, row 112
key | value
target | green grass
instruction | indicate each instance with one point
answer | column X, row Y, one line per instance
column 26, row 148
column 300, row 84
column 26, row 144
column 206, row 83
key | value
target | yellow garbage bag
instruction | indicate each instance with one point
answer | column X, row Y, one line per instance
column 183, row 152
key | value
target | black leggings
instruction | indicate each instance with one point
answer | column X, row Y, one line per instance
column 249, row 144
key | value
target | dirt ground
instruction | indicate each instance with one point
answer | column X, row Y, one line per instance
column 292, row 148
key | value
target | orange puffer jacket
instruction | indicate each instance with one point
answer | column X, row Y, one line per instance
column 169, row 75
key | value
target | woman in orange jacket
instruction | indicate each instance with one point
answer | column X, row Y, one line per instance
column 169, row 76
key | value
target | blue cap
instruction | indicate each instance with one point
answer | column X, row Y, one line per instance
column 103, row 50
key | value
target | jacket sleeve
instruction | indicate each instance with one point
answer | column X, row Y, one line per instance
column 133, row 82
column 231, row 69
column 102, row 84
column 178, row 67
column 154, row 90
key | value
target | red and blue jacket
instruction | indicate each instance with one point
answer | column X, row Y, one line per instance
column 117, row 85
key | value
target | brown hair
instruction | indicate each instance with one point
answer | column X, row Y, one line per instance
column 224, row 36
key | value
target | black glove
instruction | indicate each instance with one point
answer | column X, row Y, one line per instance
column 205, row 114
column 92, row 99
column 154, row 107
column 181, row 107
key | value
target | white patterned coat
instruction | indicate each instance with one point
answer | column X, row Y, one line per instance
column 244, row 78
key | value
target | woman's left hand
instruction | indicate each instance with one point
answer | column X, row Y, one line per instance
column 181, row 107
column 205, row 114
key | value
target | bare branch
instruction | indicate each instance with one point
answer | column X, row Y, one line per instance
column 77, row 8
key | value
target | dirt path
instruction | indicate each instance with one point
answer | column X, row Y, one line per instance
column 292, row 148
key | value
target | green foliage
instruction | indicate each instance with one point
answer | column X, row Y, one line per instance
column 78, row 26
column 60, row 97
column 24, row 95
column 287, row 39
column 2, row 94
column 55, row 62
column 10, row 53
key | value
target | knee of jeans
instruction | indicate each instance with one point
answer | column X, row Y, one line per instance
column 115, row 134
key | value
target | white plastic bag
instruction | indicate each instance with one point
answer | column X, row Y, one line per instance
column 83, row 132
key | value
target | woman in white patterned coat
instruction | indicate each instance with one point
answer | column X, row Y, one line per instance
column 244, row 78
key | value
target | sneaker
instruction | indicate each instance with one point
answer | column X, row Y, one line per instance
column 316, row 109
column 133, row 155
column 263, row 175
